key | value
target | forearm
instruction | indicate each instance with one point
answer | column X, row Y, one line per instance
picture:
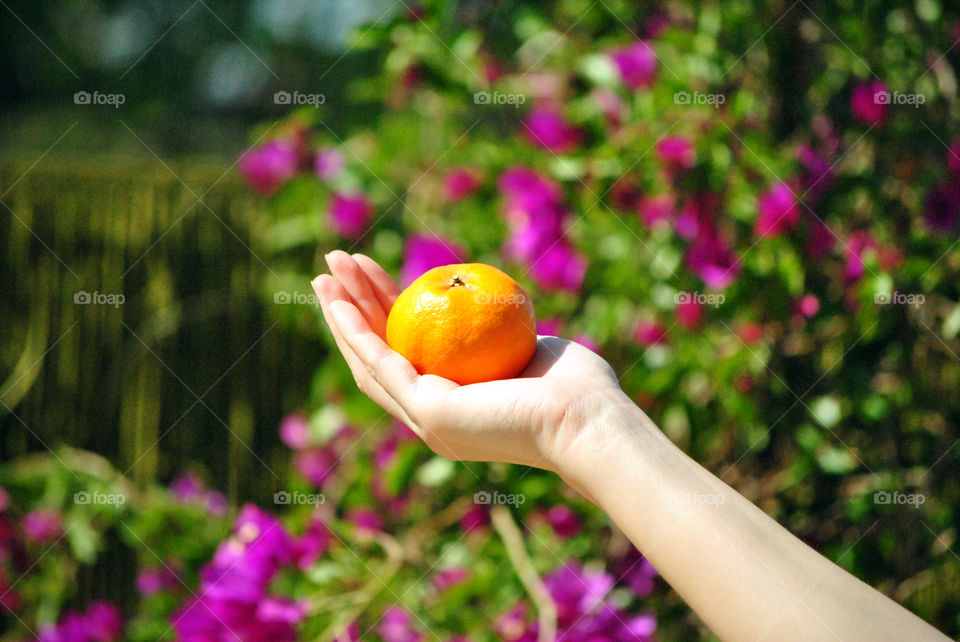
column 747, row 577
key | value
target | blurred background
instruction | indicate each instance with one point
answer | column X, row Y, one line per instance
column 750, row 209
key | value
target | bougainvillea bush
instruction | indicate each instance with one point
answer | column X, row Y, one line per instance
column 750, row 211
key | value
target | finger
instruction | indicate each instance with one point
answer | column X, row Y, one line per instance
column 355, row 281
column 383, row 285
column 395, row 374
column 325, row 287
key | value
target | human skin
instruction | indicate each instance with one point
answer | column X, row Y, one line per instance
column 747, row 577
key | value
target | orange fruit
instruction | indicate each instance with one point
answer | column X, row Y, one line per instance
column 466, row 322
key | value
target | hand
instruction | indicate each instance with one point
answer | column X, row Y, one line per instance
column 532, row 420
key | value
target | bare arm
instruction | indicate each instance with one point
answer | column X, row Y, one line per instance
column 746, row 576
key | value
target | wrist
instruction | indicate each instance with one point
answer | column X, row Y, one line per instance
column 600, row 431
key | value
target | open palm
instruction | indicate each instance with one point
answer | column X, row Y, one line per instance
column 524, row 420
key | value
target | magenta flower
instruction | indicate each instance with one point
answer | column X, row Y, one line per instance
column 316, row 465
column 459, row 183
column 778, row 211
column 650, row 333
column 548, row 129
column 101, row 623
column 637, row 572
column 448, row 577
column 422, row 253
column 807, row 306
column 713, row 261
column 549, row 327
column 953, row 157
column 564, row 521
column 941, row 211
column 512, row 625
column 587, row 342
column 350, row 214
column 858, row 245
column 870, row 102
column 232, row 601
column 475, row 518
column 268, row 167
column 295, row 431
column 559, row 268
column 308, row 548
column 676, row 153
column 688, row 312
column 187, row 488
column 610, row 104
column 328, row 163
column 656, row 210
column 42, row 526
column 396, row 625
column 636, row 63
column 819, row 239
column 817, row 176
column 216, row 503
column 365, row 520
column 151, row 581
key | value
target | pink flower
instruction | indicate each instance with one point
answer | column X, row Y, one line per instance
column 713, row 261
column 587, row 342
column 365, row 520
column 269, row 166
column 396, row 625
column 807, row 306
column 778, row 211
column 941, row 211
column 548, row 129
column 870, row 102
column 549, row 327
column 316, row 465
column 636, row 63
column 459, row 184
column 153, row 580
column 475, row 518
column 857, row 246
column 953, row 157
column 689, row 312
column 308, row 548
column 564, row 521
column 676, row 153
column 350, row 214
column 819, row 238
column 42, row 526
column 422, row 253
column 610, row 104
column 817, row 174
column 328, row 163
column 650, row 333
column 656, row 210
column 559, row 268
column 295, row 431
column 448, row 577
